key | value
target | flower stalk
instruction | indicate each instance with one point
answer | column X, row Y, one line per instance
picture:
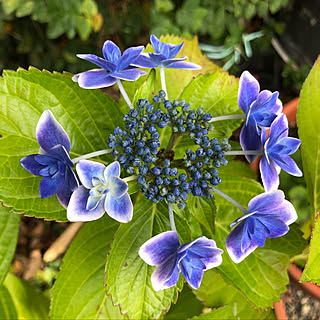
column 92, row 155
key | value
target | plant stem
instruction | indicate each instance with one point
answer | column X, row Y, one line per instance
column 172, row 141
column 163, row 80
column 130, row 178
column 244, row 153
column 91, row 155
column 229, row 117
column 235, row 203
column 124, row 94
column 171, row 217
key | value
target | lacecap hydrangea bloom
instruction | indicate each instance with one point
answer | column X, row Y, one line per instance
column 52, row 162
column 192, row 259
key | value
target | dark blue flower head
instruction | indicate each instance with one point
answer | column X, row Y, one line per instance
column 269, row 215
column 192, row 259
column 102, row 191
column 261, row 108
column 277, row 149
column 164, row 55
column 53, row 162
column 113, row 67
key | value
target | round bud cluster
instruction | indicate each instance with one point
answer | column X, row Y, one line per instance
column 137, row 148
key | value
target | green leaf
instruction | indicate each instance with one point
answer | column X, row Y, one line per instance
column 88, row 116
column 204, row 211
column 10, row 6
column 227, row 302
column 147, row 90
column 28, row 302
column 9, row 229
column 262, row 276
column 79, row 291
column 238, row 168
column 312, row 269
column 128, row 277
column 308, row 116
column 7, row 308
column 83, row 27
column 217, row 94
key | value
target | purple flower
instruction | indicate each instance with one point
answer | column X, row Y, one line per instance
column 269, row 215
column 164, row 55
column 277, row 149
column 53, row 162
column 113, row 67
column 261, row 108
column 102, row 191
column 192, row 259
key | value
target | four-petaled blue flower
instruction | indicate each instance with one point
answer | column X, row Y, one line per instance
column 277, row 149
column 269, row 215
column 164, row 55
column 53, row 162
column 102, row 191
column 261, row 108
column 114, row 66
column 192, row 259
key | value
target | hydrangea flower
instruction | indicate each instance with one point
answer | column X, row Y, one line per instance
column 277, row 149
column 102, row 191
column 53, row 162
column 164, row 55
column 269, row 215
column 192, row 259
column 261, row 108
column 113, row 67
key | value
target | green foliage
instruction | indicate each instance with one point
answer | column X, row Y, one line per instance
column 9, row 228
column 88, row 116
column 7, row 307
column 79, row 292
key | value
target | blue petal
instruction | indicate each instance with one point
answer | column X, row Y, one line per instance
column 286, row 146
column 166, row 275
column 248, row 91
column 129, row 75
column 168, row 61
column 77, row 207
column 51, row 185
column 95, row 79
column 278, row 129
column 33, row 166
column 174, row 49
column 118, row 186
column 269, row 174
column 111, row 52
column 192, row 275
column 60, row 153
column 87, row 170
column 120, row 209
column 266, row 201
column 102, row 63
column 156, row 250
column 259, row 232
column 144, row 62
column 50, row 133
column 233, row 244
column 156, row 44
column 113, row 169
column 45, row 159
column 128, row 57
column 276, row 227
column 287, row 164
column 93, row 202
column 183, row 65
column 157, row 58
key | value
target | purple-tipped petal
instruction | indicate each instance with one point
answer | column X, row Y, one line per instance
column 269, row 174
column 129, row 75
column 59, row 152
column 144, row 62
column 33, row 166
column 129, row 56
column 70, row 184
column 113, row 169
column 50, row 133
column 157, row 249
column 248, row 91
column 120, row 209
column 77, row 207
column 95, row 79
column 174, row 49
column 102, row 63
column 118, row 186
column 287, row 164
column 50, row 185
column 266, row 201
column 234, row 242
column 111, row 51
column 87, row 169
column 192, row 275
column 183, row 65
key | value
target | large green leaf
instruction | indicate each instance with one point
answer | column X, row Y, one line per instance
column 128, row 277
column 9, row 228
column 308, row 117
column 7, row 307
column 79, row 291
column 215, row 293
column 28, row 302
column 88, row 116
